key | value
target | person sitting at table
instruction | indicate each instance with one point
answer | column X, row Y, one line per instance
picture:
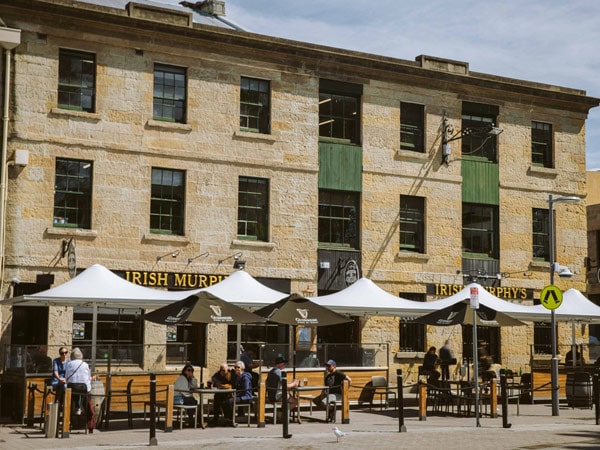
column 333, row 380
column 59, row 367
column 273, row 384
column 222, row 379
column 79, row 379
column 430, row 361
column 184, row 386
column 569, row 357
column 243, row 391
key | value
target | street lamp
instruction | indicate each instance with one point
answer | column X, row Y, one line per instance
column 561, row 272
column 449, row 134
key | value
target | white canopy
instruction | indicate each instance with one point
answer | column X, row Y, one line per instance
column 575, row 307
column 365, row 297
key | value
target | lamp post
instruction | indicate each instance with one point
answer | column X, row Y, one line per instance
column 554, row 363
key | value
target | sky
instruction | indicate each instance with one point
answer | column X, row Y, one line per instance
column 546, row 41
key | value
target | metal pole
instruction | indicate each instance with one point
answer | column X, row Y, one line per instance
column 400, row 401
column 554, row 362
column 153, row 440
column 504, row 394
column 476, row 367
column 285, row 417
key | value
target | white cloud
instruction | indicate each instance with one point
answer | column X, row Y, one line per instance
column 546, row 41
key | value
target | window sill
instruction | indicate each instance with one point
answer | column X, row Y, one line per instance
column 253, row 244
column 152, row 237
column 538, row 265
column 406, row 255
column 415, row 156
column 77, row 232
column 543, row 171
column 171, row 126
column 75, row 114
column 409, row 355
column 259, row 137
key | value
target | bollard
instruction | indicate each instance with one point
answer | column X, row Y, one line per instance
column 153, row 440
column 503, row 393
column 31, row 404
column 493, row 399
column 596, row 394
column 400, row 401
column 51, row 420
column 66, row 405
column 169, row 408
column 261, row 404
column 422, row 400
column 345, row 402
column 285, row 418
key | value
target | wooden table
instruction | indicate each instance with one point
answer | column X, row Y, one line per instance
column 297, row 392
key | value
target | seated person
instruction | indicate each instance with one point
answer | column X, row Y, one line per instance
column 243, row 388
column 79, row 379
column 222, row 379
column 430, row 361
column 273, row 384
column 184, row 386
column 59, row 367
column 333, row 379
column 569, row 357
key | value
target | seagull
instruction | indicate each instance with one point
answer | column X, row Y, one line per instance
column 338, row 433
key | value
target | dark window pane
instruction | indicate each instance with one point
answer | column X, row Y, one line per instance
column 255, row 105
column 73, row 193
column 76, row 80
column 253, row 208
column 167, row 205
column 169, row 93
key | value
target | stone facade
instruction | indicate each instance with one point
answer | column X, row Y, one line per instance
column 125, row 143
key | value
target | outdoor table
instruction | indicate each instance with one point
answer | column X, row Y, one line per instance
column 297, row 392
column 213, row 391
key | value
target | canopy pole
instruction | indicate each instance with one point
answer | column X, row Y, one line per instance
column 476, row 367
column 94, row 333
column 573, row 345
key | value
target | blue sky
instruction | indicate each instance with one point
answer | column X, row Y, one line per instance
column 546, row 41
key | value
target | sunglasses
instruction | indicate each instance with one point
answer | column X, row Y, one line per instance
column 64, row 353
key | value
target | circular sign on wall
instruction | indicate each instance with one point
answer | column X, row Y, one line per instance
column 351, row 274
column 72, row 259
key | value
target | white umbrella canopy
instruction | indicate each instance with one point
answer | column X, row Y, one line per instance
column 365, row 297
column 575, row 307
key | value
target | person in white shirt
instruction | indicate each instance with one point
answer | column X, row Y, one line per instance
column 79, row 379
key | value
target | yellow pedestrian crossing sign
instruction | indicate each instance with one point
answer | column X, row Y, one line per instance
column 551, row 297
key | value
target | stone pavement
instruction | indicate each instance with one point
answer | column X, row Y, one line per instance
column 534, row 428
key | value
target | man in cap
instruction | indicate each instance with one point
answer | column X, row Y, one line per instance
column 273, row 384
column 333, row 379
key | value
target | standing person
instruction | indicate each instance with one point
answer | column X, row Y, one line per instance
column 79, row 379
column 243, row 391
column 184, row 386
column 59, row 367
column 273, row 384
column 222, row 379
column 333, row 379
column 446, row 359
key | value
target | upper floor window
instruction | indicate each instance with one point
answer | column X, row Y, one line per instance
column 73, row 193
column 339, row 218
column 167, row 201
column 169, row 93
column 540, row 235
column 253, row 209
column 412, row 223
column 255, row 105
column 480, row 230
column 476, row 143
column 541, row 144
column 339, row 111
column 76, row 80
column 412, row 126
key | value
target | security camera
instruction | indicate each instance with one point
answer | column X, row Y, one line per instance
column 562, row 271
column 15, row 280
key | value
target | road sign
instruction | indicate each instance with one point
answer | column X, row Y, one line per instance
column 551, row 297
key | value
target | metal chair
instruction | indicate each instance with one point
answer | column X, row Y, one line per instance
column 381, row 388
column 117, row 392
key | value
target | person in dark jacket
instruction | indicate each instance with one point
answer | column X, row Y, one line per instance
column 243, row 388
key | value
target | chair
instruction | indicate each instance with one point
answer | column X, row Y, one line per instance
column 118, row 392
column 178, row 411
column 247, row 407
column 381, row 388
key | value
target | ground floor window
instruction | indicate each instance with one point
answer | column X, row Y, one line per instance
column 186, row 343
column 412, row 335
column 542, row 338
column 487, row 337
column 261, row 341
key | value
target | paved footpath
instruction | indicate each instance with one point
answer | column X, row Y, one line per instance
column 535, row 428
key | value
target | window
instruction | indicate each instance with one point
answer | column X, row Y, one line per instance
column 476, row 143
column 73, row 193
column 169, row 93
column 412, row 223
column 339, row 217
column 540, row 235
column 167, row 201
column 480, row 230
column 541, row 144
column 412, row 335
column 186, row 342
column 339, row 111
column 542, row 338
column 76, row 80
column 412, row 126
column 253, row 209
column 119, row 333
column 255, row 104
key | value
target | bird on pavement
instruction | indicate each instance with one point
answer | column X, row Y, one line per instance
column 338, row 433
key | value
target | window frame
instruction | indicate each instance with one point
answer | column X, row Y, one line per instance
column 540, row 236
column 491, row 232
column 411, row 225
column 476, row 145
column 256, row 212
column 169, row 203
column 75, row 210
column 412, row 127
column 75, row 82
column 255, row 105
column 172, row 97
column 542, row 151
column 350, row 200
column 412, row 336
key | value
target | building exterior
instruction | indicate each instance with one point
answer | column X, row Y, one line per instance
column 593, row 261
column 162, row 140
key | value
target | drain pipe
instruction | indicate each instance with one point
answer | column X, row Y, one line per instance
column 9, row 39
